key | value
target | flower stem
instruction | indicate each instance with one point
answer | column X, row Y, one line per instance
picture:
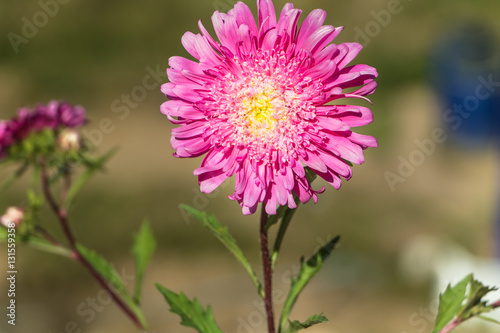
column 457, row 321
column 63, row 219
column 451, row 325
column 45, row 234
column 496, row 304
column 268, row 273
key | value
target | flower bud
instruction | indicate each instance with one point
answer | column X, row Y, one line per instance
column 69, row 140
column 13, row 215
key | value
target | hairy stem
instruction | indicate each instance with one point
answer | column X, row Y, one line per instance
column 268, row 273
column 61, row 215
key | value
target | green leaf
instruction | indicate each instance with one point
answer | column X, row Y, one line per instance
column 285, row 214
column 456, row 305
column 475, row 304
column 192, row 312
column 103, row 267
column 308, row 269
column 296, row 326
column 143, row 249
column 107, row 271
column 450, row 302
column 285, row 222
column 45, row 245
column 92, row 167
column 222, row 234
column 489, row 319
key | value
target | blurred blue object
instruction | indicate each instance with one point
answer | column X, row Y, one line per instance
column 465, row 72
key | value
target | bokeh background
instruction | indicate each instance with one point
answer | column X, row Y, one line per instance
column 94, row 53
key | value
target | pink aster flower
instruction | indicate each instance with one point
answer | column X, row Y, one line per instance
column 258, row 103
column 54, row 115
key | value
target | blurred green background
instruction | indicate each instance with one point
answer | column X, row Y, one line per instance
column 93, row 52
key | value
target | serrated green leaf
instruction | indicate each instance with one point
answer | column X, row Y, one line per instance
column 450, row 303
column 143, row 249
column 92, row 167
column 475, row 305
column 222, row 234
column 192, row 312
column 107, row 271
column 308, row 269
column 103, row 267
column 295, row 326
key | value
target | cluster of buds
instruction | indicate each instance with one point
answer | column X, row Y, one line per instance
column 12, row 217
column 53, row 116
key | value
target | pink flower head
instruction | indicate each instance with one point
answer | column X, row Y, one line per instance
column 5, row 138
column 258, row 104
column 54, row 115
column 12, row 217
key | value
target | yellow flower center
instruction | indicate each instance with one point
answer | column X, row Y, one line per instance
column 260, row 113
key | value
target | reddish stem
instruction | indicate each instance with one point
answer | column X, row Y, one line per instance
column 63, row 219
column 453, row 324
column 268, row 274
column 48, row 236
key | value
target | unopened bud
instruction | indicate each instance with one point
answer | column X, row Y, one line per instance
column 69, row 140
column 13, row 215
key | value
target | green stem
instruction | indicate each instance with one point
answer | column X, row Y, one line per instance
column 268, row 273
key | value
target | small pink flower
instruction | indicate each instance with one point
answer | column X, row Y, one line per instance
column 13, row 215
column 258, row 103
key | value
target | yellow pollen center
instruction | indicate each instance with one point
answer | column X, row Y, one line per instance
column 259, row 112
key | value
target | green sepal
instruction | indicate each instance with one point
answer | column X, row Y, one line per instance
column 192, row 312
column 142, row 250
column 308, row 269
column 222, row 234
